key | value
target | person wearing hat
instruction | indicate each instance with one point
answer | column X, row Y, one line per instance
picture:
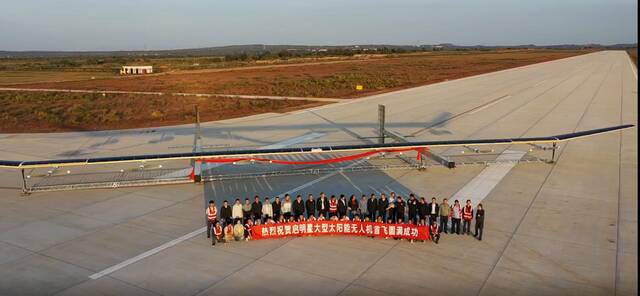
column 211, row 214
column 256, row 209
column 298, row 208
column 310, row 206
column 479, row 221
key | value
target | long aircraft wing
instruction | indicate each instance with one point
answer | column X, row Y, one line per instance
column 212, row 155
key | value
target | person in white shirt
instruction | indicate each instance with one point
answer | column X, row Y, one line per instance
column 236, row 211
column 267, row 210
column 286, row 207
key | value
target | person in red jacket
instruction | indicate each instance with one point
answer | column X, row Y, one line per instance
column 217, row 234
column 333, row 207
column 211, row 214
column 467, row 216
column 434, row 232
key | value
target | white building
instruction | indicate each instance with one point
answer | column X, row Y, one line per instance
column 126, row 70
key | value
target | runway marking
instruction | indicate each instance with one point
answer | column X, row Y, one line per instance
column 480, row 186
column 194, row 233
column 146, row 254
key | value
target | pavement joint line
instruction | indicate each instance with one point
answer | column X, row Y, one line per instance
column 555, row 165
column 482, row 106
column 370, row 266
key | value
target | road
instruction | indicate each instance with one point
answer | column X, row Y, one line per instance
column 568, row 228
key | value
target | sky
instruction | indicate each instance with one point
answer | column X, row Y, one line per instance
column 170, row 24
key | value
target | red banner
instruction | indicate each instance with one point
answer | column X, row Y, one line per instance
column 316, row 228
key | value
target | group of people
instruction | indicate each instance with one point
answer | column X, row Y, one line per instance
column 234, row 222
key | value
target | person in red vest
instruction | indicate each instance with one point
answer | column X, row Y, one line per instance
column 247, row 229
column 333, row 207
column 467, row 216
column 211, row 214
column 217, row 234
column 434, row 232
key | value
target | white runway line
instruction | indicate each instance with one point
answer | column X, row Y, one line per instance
column 194, row 233
column 480, row 186
column 146, row 254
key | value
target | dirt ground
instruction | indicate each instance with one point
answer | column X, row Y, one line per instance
column 633, row 53
column 336, row 80
column 24, row 112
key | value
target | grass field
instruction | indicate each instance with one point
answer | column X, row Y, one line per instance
column 48, row 112
column 336, row 80
column 22, row 77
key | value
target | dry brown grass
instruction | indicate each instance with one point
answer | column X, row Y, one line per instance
column 48, row 112
column 329, row 80
column 21, row 77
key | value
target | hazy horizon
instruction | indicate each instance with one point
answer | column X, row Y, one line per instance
column 91, row 25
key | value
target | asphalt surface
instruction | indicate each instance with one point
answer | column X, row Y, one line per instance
column 568, row 228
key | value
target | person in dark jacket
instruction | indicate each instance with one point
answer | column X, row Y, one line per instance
column 342, row 206
column 412, row 204
column 225, row 213
column 354, row 207
column 256, row 209
column 383, row 203
column 479, row 221
column 276, row 206
column 322, row 205
column 298, row 208
column 372, row 207
column 310, row 204
column 423, row 209
column 434, row 211
column 400, row 209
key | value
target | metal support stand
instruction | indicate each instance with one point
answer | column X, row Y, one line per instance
column 553, row 152
column 25, row 191
column 381, row 119
column 443, row 160
column 197, row 147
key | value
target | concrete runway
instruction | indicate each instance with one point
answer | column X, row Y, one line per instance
column 567, row 228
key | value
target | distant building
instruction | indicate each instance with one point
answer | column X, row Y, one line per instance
column 134, row 70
